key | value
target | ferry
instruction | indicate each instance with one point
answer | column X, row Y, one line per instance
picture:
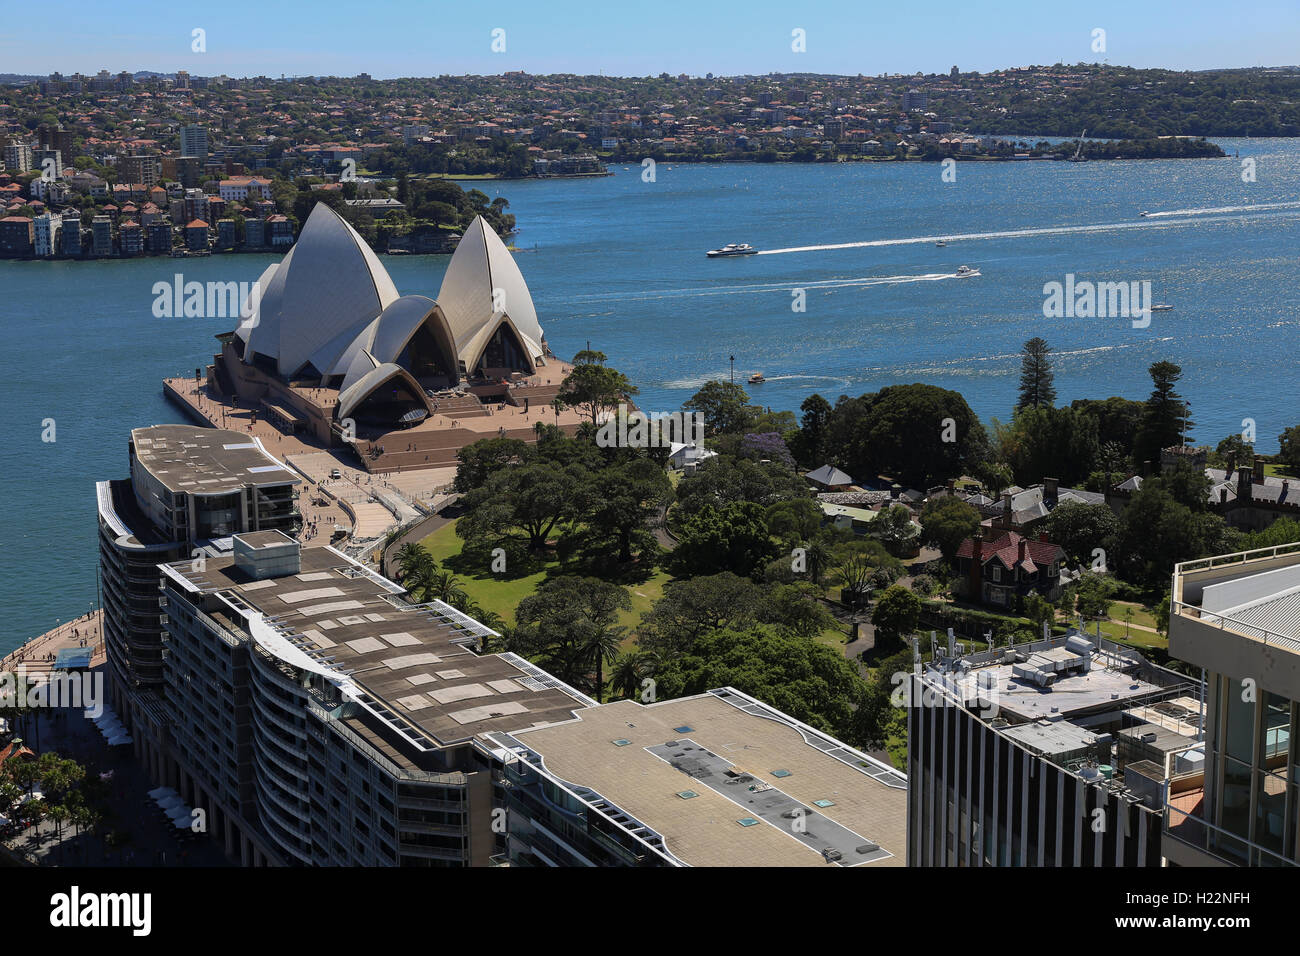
column 732, row 249
column 965, row 271
column 757, row 379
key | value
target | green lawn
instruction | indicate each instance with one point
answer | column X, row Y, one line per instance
column 832, row 637
column 502, row 595
column 1141, row 614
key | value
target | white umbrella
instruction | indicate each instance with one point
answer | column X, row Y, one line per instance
column 157, row 793
column 182, row 811
column 184, row 823
column 120, row 740
column 173, row 800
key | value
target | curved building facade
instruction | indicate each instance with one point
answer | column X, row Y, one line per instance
column 328, row 315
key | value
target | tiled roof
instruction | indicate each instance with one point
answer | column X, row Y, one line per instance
column 1005, row 546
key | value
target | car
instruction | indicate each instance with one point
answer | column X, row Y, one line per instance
column 335, row 473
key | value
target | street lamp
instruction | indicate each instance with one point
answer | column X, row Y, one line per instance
column 733, row 370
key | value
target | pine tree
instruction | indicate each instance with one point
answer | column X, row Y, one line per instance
column 1036, row 379
column 1165, row 420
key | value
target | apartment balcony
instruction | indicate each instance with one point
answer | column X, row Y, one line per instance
column 1190, row 839
column 1239, row 615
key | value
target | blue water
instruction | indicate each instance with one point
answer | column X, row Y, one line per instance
column 620, row 263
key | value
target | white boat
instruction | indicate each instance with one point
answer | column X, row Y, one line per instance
column 1162, row 307
column 1145, row 213
column 941, row 243
column 965, row 271
column 757, row 379
column 732, row 249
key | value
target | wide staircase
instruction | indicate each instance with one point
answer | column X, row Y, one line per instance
column 430, row 449
column 458, row 406
column 538, row 396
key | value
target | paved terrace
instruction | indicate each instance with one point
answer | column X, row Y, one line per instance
column 37, row 656
column 619, row 751
column 412, row 662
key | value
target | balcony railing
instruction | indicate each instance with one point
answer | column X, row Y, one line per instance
column 1177, row 606
column 1196, row 832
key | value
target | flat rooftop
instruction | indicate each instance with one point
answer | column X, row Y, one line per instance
column 1052, row 737
column 206, row 461
column 1098, row 689
column 265, row 539
column 416, row 662
column 724, row 779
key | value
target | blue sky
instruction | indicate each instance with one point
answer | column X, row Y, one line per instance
column 412, row 38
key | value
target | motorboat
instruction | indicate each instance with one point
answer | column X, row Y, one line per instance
column 757, row 379
column 1162, row 307
column 965, row 271
column 732, row 249
column 941, row 243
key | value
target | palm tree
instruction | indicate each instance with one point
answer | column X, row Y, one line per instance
column 58, row 813
column 445, row 586
column 630, row 670
column 818, row 557
column 600, row 644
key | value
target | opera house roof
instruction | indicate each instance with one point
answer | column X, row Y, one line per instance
column 329, row 311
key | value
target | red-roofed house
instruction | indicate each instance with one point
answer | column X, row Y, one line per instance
column 1006, row 567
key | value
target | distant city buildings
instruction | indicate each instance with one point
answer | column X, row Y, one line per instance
column 194, row 142
column 18, row 157
column 46, row 234
column 16, row 235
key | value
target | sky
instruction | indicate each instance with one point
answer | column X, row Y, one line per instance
column 388, row 38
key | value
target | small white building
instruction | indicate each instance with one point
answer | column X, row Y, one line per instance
column 686, row 458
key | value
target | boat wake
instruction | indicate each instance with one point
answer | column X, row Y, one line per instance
column 1212, row 210
column 1236, row 213
column 786, row 287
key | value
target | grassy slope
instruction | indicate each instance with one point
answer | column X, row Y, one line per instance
column 502, row 595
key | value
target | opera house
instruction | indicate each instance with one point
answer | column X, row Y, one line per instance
column 327, row 347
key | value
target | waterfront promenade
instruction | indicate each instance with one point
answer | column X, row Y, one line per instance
column 36, row 657
column 144, row 835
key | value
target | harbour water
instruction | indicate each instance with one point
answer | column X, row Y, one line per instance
column 619, row 262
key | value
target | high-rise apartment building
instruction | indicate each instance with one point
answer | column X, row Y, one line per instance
column 194, row 142
column 188, row 487
column 1237, row 617
column 46, row 234
column 18, row 158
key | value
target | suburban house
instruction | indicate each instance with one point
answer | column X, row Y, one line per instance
column 829, row 478
column 686, row 458
column 1021, row 509
column 1000, row 567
